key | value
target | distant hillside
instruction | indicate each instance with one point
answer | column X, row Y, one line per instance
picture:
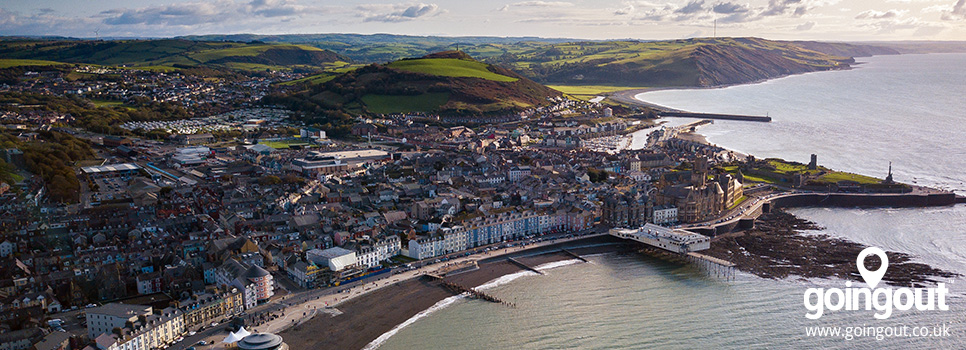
column 846, row 49
column 381, row 48
column 171, row 53
column 448, row 83
column 691, row 62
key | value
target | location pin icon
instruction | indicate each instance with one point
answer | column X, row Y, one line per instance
column 872, row 278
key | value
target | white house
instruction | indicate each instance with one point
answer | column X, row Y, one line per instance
column 665, row 215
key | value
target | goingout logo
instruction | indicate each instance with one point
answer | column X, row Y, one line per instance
column 883, row 300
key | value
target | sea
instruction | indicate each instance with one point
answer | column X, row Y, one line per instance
column 909, row 110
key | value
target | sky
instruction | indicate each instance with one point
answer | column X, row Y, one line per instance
column 829, row 20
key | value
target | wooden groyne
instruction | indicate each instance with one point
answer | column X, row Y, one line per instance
column 750, row 118
column 574, row 255
column 525, row 266
column 460, row 289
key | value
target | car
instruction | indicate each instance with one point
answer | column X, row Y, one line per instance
column 202, row 343
column 91, row 305
column 213, row 324
column 192, row 333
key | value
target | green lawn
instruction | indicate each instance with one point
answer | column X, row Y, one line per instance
column 763, row 179
column 836, row 176
column 8, row 63
column 283, row 144
column 449, row 67
column 312, row 79
column 106, row 103
column 383, row 104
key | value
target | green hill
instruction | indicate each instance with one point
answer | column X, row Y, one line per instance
column 691, row 62
column 173, row 53
column 447, row 83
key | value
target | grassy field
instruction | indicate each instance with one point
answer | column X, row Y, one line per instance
column 450, row 67
column 404, row 104
column 8, row 63
column 106, row 103
column 329, row 74
column 163, row 54
column 284, row 144
column 591, row 90
column 836, row 176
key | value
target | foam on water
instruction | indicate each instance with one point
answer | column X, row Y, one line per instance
column 438, row 306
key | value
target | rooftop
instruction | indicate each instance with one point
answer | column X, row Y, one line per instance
column 120, row 310
column 110, row 168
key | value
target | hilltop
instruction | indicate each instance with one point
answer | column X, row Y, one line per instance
column 447, row 83
column 690, row 62
column 171, row 53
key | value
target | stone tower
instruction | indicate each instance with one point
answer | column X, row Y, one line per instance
column 700, row 172
column 813, row 165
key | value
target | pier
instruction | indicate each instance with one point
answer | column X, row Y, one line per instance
column 524, row 266
column 677, row 244
column 749, row 118
column 673, row 240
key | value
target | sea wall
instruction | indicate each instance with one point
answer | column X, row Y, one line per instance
column 841, row 200
column 865, row 200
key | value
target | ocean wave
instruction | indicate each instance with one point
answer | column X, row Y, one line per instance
column 499, row 281
column 556, row 264
column 438, row 306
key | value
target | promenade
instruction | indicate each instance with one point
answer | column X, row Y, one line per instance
column 297, row 308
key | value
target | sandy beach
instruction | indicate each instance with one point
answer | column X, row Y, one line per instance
column 365, row 317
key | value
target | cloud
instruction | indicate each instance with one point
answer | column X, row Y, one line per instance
column 397, row 12
column 180, row 14
column 625, row 11
column 781, row 7
column 544, row 4
column 207, row 12
column 692, row 7
column 805, row 26
column 958, row 12
column 276, row 8
column 913, row 24
column 729, row 7
column 873, row 14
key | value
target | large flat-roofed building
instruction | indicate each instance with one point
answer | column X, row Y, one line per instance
column 334, row 162
column 675, row 240
column 194, row 139
column 124, row 171
column 104, row 318
column 315, row 163
column 335, row 258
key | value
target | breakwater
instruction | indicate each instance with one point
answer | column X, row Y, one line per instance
column 897, row 200
column 750, row 118
column 840, row 200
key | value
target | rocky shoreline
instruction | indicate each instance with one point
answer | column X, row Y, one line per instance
column 778, row 248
